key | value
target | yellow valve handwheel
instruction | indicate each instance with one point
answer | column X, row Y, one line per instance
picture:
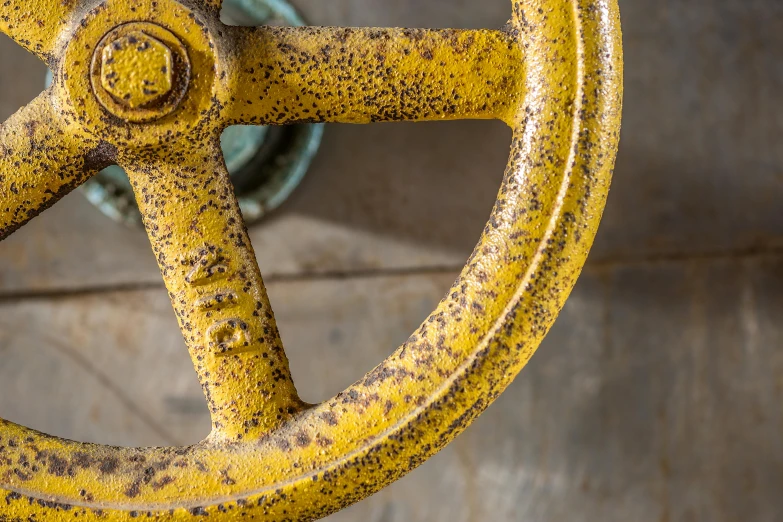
column 150, row 85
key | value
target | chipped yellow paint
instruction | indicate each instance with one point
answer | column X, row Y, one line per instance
column 337, row 74
column 36, row 25
column 554, row 74
column 140, row 72
column 136, row 69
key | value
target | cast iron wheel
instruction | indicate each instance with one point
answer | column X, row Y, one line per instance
column 150, row 85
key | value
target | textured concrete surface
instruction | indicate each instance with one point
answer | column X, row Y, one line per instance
column 657, row 396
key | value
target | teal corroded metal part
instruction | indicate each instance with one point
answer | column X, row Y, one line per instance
column 553, row 74
column 265, row 169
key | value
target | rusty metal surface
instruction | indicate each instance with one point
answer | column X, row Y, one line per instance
column 508, row 466
column 618, row 417
column 266, row 164
column 150, row 85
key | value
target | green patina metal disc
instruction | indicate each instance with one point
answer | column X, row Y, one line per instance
column 266, row 163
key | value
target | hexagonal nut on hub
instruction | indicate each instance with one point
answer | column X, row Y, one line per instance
column 136, row 69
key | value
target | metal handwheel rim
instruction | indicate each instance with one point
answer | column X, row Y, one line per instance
column 314, row 460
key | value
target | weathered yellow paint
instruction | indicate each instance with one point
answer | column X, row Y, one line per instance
column 40, row 161
column 136, row 69
column 554, row 74
column 322, row 74
column 140, row 72
column 36, row 25
column 201, row 245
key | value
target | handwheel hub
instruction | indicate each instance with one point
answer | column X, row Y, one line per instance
column 136, row 69
column 141, row 76
column 140, row 72
column 266, row 163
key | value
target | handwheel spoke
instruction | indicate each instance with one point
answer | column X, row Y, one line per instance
column 40, row 162
column 201, row 244
column 36, row 24
column 309, row 74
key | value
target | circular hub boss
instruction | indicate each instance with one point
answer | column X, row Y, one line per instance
column 554, row 74
column 140, row 72
column 266, row 163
